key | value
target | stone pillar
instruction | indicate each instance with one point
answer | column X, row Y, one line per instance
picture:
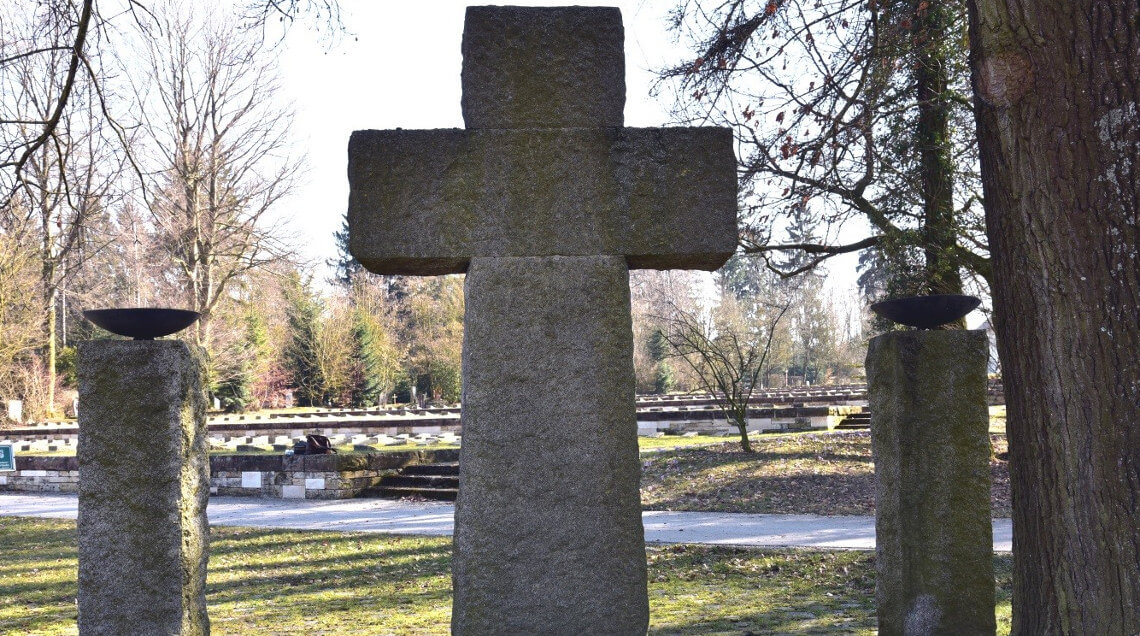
column 144, row 479
column 930, row 438
column 548, row 534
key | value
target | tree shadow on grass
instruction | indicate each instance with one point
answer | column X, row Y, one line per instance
column 704, row 589
column 37, row 575
column 300, row 560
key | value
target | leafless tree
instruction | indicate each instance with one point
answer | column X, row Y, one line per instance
column 216, row 154
column 19, row 325
column 54, row 38
column 76, row 33
column 1059, row 130
column 64, row 184
column 853, row 116
column 725, row 347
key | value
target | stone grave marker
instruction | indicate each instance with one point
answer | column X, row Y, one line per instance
column 15, row 410
column 546, row 201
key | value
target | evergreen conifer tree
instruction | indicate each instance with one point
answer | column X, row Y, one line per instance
column 303, row 310
column 346, row 265
column 663, row 379
column 371, row 367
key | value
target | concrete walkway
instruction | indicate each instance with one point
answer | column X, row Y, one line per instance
column 430, row 518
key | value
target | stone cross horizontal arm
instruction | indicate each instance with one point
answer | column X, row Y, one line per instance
column 427, row 201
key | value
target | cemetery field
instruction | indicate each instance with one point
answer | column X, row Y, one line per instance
column 803, row 473
column 292, row 582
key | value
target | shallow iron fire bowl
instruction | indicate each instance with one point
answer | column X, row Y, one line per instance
column 142, row 323
column 926, row 312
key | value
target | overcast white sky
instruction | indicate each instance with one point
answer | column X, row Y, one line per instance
column 399, row 67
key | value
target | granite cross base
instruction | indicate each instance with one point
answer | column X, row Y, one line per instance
column 144, row 479
column 931, row 446
column 548, row 534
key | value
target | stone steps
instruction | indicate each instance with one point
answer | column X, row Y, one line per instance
column 855, row 421
column 419, row 493
column 431, row 482
column 444, row 468
column 426, row 481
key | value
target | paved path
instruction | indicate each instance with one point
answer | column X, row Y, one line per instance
column 399, row 517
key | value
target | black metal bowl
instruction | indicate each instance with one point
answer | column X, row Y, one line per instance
column 926, row 312
column 142, row 323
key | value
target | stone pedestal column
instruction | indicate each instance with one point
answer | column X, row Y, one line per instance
column 930, row 437
column 144, row 479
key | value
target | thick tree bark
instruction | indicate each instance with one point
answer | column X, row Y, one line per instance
column 1058, row 86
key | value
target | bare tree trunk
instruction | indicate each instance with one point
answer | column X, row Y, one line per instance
column 1058, row 87
column 739, row 417
column 50, row 291
column 51, row 351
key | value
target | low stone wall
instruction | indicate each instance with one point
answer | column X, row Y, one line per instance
column 282, row 476
column 712, row 421
column 310, row 476
column 42, row 474
column 50, row 437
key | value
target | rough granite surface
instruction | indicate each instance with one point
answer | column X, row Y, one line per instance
column 426, row 201
column 548, row 533
column 143, row 485
column 543, row 67
column 931, row 446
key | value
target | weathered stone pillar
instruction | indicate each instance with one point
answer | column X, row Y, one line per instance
column 930, row 438
column 144, row 479
column 548, row 534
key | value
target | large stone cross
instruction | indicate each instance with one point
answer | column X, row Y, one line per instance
column 546, row 202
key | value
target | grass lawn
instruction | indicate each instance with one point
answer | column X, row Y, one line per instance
column 800, row 473
column 671, row 442
column 353, row 584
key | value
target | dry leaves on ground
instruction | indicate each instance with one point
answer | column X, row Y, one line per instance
column 809, row 473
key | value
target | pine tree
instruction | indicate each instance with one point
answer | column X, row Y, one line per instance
column 303, row 310
column 345, row 264
column 663, row 377
column 234, row 391
column 373, row 370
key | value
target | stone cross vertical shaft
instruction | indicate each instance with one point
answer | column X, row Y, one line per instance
column 546, row 202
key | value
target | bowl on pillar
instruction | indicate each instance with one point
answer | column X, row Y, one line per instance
column 926, row 312
column 142, row 323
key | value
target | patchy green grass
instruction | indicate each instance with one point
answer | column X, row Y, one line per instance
column 38, row 561
column 997, row 419
column 294, row 582
column 804, row 473
column 672, row 442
